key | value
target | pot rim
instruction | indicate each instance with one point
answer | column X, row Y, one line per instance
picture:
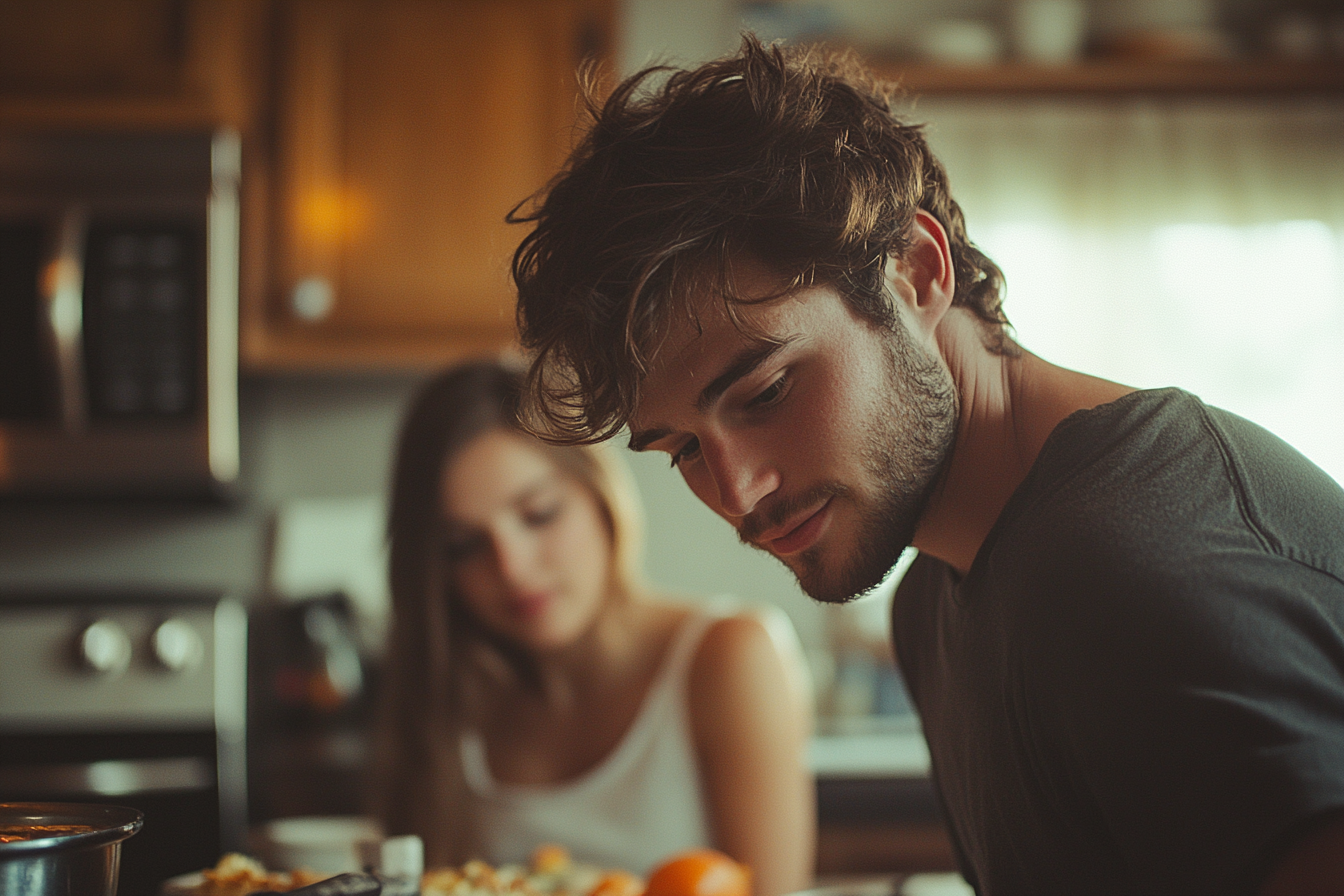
column 112, row 825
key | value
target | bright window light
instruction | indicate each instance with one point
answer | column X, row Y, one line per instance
column 1250, row 318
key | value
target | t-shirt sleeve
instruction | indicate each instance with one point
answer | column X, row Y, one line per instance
column 1198, row 707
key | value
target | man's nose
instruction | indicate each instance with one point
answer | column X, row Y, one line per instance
column 742, row 474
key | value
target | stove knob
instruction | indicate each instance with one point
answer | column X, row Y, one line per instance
column 177, row 646
column 105, row 648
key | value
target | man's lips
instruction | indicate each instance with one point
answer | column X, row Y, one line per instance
column 797, row 534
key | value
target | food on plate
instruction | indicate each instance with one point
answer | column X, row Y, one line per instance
column 699, row 872
column 619, row 883
column 240, row 875
column 551, row 872
column 550, row 858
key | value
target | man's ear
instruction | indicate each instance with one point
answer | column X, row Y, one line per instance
column 924, row 278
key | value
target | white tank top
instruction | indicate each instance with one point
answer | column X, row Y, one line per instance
column 636, row 807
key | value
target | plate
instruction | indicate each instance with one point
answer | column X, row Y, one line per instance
column 182, row 885
column 943, row 884
column 922, row 884
column 859, row 886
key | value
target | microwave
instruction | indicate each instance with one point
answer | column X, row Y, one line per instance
column 119, row 312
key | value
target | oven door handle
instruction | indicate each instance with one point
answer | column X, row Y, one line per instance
column 62, row 288
column 114, row 777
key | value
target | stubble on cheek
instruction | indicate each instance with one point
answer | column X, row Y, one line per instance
column 904, row 453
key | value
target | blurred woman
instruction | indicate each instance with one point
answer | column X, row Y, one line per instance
column 538, row 692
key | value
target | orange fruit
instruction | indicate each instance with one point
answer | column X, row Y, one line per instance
column 699, row 872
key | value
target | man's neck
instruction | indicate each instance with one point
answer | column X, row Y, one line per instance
column 1009, row 407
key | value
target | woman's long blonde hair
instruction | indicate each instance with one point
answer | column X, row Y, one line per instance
column 419, row 786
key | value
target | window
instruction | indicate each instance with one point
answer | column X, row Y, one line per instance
column 1196, row 243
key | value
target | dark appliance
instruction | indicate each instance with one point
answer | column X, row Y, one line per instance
column 118, row 312
column 131, row 699
column 310, row 710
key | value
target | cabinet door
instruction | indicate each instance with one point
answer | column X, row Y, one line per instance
column 129, row 63
column 407, row 130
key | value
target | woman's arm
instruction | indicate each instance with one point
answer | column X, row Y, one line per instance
column 751, row 717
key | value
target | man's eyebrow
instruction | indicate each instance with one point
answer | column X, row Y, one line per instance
column 640, row 441
column 742, row 364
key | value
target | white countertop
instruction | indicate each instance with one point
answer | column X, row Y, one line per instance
column 894, row 754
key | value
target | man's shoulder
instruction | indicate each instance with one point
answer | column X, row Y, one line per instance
column 1167, row 509
column 1164, row 468
column 1112, row 484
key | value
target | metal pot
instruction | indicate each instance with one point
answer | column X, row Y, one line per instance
column 65, row 849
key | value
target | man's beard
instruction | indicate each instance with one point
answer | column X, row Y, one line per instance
column 906, row 450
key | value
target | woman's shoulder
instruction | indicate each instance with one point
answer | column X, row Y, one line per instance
column 743, row 648
column 718, row 607
column 748, row 680
column 722, row 627
column 720, row 633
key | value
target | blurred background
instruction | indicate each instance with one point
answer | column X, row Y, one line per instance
column 1162, row 182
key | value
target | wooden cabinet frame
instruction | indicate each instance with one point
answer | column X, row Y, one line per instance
column 405, row 131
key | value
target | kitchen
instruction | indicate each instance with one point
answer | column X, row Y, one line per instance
column 323, row 380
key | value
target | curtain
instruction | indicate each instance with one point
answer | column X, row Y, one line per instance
column 1169, row 241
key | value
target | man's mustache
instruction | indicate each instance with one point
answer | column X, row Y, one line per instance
column 755, row 524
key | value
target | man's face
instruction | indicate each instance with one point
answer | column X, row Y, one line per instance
column 818, row 435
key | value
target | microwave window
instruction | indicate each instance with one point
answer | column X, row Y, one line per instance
column 27, row 385
column 143, row 287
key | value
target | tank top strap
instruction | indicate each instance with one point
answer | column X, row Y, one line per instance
column 687, row 640
column 666, row 693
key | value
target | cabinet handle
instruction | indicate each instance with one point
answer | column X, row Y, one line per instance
column 312, row 299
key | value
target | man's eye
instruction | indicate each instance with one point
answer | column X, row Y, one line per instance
column 771, row 394
column 686, row 452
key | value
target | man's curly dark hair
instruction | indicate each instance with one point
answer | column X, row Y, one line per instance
column 792, row 156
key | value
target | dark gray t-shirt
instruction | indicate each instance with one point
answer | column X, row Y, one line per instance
column 1138, row 687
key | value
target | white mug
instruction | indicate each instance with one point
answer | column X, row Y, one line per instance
column 326, row 844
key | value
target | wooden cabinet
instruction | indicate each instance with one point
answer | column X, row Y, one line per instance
column 405, row 130
column 130, row 63
column 383, row 143
column 879, row 825
column 907, row 847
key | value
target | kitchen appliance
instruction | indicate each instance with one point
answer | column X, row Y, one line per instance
column 118, row 312
column 136, row 699
column 63, row 849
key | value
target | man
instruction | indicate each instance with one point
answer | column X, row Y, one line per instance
column 1125, row 630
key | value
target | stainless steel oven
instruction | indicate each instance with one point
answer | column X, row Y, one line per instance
column 133, row 698
column 118, row 312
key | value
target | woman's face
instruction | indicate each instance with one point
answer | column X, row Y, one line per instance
column 529, row 543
